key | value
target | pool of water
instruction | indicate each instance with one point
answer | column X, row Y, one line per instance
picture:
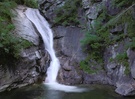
column 43, row 92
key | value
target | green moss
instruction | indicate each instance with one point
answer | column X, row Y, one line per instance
column 122, row 59
column 28, row 3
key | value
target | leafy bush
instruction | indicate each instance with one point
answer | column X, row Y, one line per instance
column 29, row 3
column 89, row 66
column 122, row 59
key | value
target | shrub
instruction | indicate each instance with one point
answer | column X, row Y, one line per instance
column 99, row 37
column 68, row 13
column 10, row 45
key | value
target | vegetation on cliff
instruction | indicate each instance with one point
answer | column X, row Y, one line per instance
column 102, row 34
column 67, row 14
column 10, row 45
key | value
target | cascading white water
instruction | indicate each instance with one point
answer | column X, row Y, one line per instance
column 47, row 36
column 44, row 29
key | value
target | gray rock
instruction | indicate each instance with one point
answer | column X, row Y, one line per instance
column 24, row 28
column 71, row 77
column 86, row 4
column 69, row 51
column 125, row 90
column 111, row 10
column 93, row 11
column 131, row 56
column 66, row 66
column 29, row 67
column 48, row 8
column 117, row 29
column 100, row 77
column 69, row 45
column 31, row 53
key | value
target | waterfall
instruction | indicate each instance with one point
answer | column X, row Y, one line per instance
column 44, row 29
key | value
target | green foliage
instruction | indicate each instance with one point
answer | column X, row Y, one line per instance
column 94, row 1
column 122, row 59
column 10, row 45
column 132, row 44
column 88, row 66
column 68, row 13
column 29, row 3
column 123, row 3
column 85, row 66
column 92, row 45
column 90, row 39
column 99, row 36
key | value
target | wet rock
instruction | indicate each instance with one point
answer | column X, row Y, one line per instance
column 66, row 66
column 69, row 73
column 71, row 77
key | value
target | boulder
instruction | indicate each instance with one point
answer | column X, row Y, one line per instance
column 126, row 89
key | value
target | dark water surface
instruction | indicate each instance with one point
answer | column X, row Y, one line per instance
column 42, row 92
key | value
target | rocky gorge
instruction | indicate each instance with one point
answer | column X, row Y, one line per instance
column 33, row 63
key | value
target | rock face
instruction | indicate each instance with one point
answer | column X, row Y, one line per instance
column 33, row 63
column 68, row 49
column 24, row 28
column 30, row 67
column 131, row 55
